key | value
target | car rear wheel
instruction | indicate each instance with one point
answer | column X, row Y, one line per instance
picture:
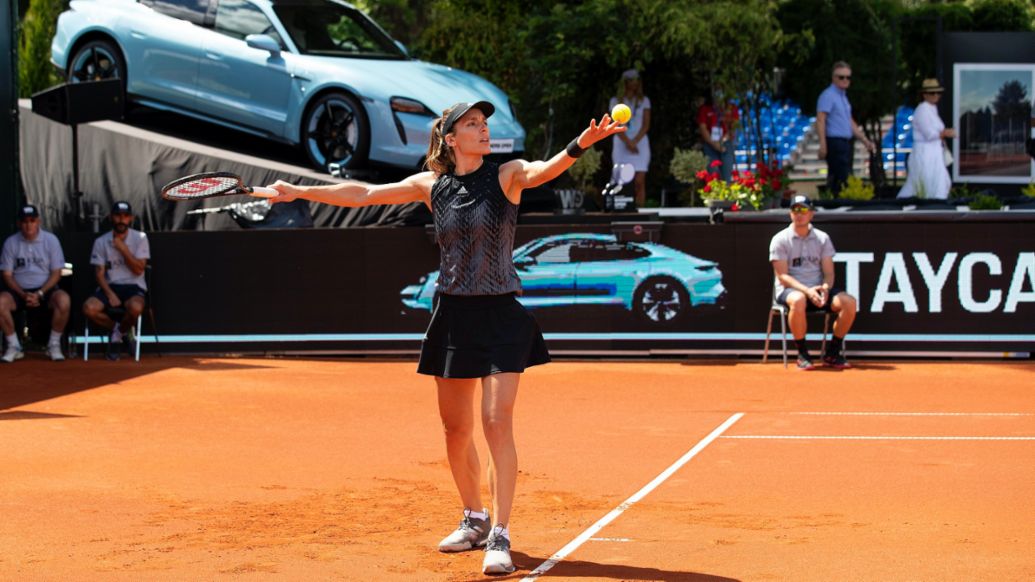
column 661, row 301
column 335, row 131
column 97, row 60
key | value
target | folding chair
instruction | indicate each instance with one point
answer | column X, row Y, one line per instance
column 135, row 332
column 779, row 309
column 30, row 329
column 116, row 315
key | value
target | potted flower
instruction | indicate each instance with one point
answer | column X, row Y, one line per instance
column 746, row 190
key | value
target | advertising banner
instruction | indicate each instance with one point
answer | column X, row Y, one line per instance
column 924, row 286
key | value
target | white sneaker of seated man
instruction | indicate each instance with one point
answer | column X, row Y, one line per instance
column 54, row 351
column 12, row 353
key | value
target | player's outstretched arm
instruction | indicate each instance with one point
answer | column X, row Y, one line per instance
column 520, row 174
column 416, row 188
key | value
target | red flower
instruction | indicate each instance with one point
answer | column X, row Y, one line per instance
column 715, row 164
column 735, row 207
column 707, row 188
column 702, row 175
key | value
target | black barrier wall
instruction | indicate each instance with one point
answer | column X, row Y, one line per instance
column 955, row 284
column 10, row 185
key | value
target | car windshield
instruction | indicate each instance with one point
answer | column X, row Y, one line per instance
column 324, row 27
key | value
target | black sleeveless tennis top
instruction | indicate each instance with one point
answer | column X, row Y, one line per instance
column 474, row 225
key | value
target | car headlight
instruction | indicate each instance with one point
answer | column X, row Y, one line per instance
column 404, row 105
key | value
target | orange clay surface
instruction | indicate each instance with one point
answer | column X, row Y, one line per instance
column 182, row 468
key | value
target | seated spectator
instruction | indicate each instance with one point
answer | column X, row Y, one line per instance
column 31, row 262
column 803, row 263
column 119, row 258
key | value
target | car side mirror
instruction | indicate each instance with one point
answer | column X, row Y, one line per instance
column 263, row 42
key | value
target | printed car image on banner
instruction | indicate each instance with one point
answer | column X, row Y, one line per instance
column 657, row 285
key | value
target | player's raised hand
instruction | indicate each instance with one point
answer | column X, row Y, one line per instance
column 598, row 131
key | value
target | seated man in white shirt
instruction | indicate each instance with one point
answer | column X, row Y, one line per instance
column 31, row 263
column 803, row 264
column 119, row 258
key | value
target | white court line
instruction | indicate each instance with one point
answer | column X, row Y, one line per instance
column 596, row 527
column 913, row 413
column 878, row 438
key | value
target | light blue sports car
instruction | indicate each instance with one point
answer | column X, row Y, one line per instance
column 315, row 73
column 657, row 283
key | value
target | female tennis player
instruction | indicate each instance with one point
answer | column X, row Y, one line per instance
column 478, row 331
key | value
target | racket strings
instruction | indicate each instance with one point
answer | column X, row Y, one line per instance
column 203, row 187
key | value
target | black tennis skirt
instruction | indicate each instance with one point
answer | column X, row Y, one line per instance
column 476, row 336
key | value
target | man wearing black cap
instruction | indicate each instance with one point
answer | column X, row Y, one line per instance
column 119, row 258
column 31, row 262
column 803, row 262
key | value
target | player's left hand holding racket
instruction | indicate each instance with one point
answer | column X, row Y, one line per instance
column 212, row 184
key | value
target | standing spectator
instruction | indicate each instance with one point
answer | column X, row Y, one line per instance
column 837, row 129
column 119, row 258
column 717, row 126
column 31, row 262
column 633, row 146
column 928, row 177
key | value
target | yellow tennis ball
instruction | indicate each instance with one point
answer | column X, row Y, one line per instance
column 621, row 113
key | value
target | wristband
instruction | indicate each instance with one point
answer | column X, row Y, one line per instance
column 573, row 149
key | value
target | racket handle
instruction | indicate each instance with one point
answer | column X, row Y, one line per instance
column 262, row 192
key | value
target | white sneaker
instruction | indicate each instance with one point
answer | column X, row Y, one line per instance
column 471, row 533
column 497, row 554
column 54, row 351
column 13, row 353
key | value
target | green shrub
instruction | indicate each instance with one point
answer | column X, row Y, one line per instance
column 1029, row 190
column 855, row 190
column 585, row 168
column 985, row 202
column 686, row 163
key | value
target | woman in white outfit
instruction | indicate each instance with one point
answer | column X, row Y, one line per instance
column 633, row 146
column 928, row 177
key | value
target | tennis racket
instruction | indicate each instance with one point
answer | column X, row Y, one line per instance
column 210, row 185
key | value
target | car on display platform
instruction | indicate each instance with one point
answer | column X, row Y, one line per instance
column 318, row 74
column 656, row 283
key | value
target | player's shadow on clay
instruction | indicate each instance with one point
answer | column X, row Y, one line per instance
column 583, row 569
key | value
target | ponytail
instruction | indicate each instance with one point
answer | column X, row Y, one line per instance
column 440, row 156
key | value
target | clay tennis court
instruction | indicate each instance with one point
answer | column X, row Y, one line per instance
column 182, row 468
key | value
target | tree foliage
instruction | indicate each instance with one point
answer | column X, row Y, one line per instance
column 35, row 72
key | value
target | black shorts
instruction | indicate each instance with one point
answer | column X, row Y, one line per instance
column 20, row 302
column 834, row 292
column 476, row 336
column 123, row 292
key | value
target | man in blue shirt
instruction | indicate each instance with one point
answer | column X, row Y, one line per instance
column 836, row 128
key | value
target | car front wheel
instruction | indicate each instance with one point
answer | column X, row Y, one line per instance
column 335, row 131
column 661, row 301
column 97, row 60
